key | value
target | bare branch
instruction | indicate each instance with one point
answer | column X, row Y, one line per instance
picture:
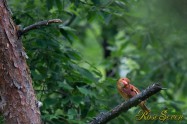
column 125, row 106
column 38, row 25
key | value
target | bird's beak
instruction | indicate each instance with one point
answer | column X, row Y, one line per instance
column 125, row 83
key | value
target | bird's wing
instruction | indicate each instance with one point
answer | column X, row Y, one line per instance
column 134, row 89
column 137, row 91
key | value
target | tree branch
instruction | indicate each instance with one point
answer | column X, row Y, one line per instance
column 125, row 106
column 38, row 25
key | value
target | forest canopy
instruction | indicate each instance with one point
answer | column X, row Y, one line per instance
column 75, row 65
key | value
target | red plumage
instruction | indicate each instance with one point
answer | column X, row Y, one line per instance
column 128, row 91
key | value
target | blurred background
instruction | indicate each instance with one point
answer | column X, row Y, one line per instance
column 75, row 65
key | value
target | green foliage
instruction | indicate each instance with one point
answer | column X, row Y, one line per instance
column 146, row 40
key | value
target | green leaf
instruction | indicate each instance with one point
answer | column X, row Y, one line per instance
column 85, row 73
column 65, row 34
column 73, row 55
column 77, row 99
column 96, row 2
column 71, row 113
column 68, row 34
column 91, row 16
column 49, row 4
column 98, row 73
column 50, row 101
column 65, row 85
column 66, row 28
column 85, row 91
column 36, row 75
column 59, row 4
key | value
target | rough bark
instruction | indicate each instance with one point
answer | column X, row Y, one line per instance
column 17, row 97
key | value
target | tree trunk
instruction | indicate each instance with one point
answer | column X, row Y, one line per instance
column 18, row 103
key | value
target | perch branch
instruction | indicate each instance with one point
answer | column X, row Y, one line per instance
column 38, row 25
column 125, row 106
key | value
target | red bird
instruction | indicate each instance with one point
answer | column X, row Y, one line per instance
column 128, row 91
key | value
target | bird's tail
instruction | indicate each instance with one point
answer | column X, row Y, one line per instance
column 144, row 107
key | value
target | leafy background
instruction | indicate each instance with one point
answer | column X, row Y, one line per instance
column 75, row 65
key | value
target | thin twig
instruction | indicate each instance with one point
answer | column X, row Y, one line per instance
column 38, row 25
column 103, row 118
